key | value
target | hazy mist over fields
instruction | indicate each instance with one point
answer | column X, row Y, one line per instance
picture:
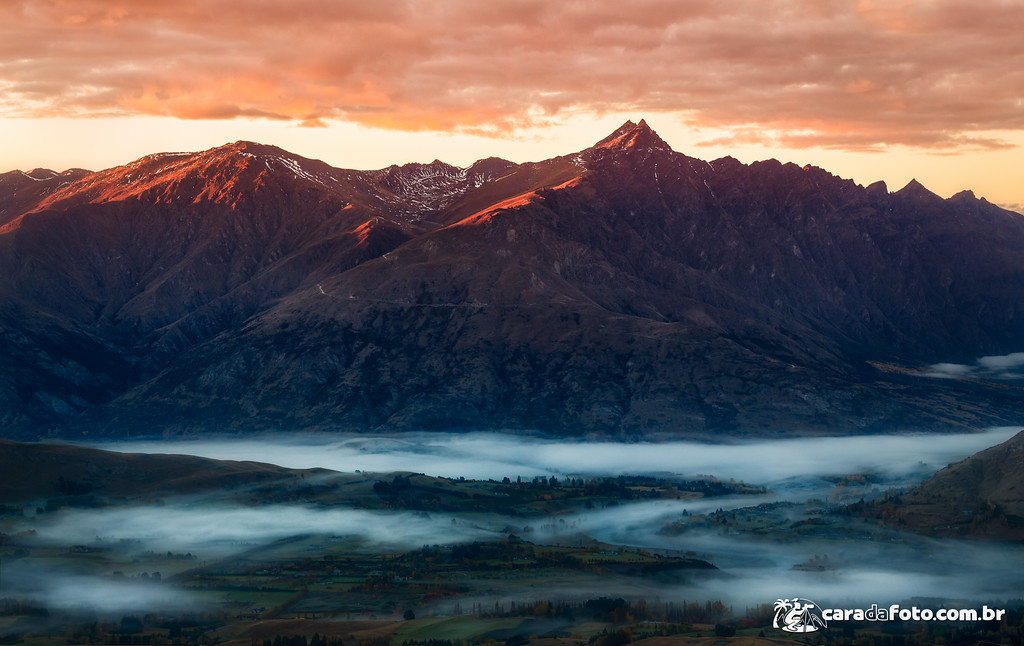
column 492, row 455
column 752, row 569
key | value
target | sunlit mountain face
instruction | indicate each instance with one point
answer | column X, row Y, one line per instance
column 626, row 290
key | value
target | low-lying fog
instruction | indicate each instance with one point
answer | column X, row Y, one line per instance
column 858, row 569
column 217, row 530
column 69, row 591
column 755, row 569
column 903, row 458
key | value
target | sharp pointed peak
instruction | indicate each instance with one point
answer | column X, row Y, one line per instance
column 618, row 132
column 632, row 135
column 915, row 189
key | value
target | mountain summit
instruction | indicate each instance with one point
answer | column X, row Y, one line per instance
column 633, row 135
column 625, row 289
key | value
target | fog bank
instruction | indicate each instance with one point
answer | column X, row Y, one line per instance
column 492, row 455
column 220, row 529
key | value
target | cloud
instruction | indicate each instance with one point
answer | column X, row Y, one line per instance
column 59, row 588
column 228, row 529
column 992, row 367
column 754, row 569
column 490, row 455
column 1002, row 362
column 108, row 596
column 940, row 75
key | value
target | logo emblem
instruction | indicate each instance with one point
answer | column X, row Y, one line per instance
column 797, row 615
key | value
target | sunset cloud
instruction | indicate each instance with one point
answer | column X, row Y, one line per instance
column 851, row 75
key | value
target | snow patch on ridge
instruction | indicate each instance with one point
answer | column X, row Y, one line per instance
column 298, row 170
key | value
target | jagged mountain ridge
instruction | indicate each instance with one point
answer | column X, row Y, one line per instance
column 624, row 289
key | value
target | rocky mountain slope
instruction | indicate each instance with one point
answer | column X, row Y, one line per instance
column 982, row 496
column 626, row 289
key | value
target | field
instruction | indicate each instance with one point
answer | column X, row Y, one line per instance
column 242, row 553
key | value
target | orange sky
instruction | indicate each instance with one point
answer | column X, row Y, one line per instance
column 869, row 89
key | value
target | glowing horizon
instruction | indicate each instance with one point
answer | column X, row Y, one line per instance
column 925, row 89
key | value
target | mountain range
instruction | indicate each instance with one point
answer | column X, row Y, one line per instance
column 625, row 290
